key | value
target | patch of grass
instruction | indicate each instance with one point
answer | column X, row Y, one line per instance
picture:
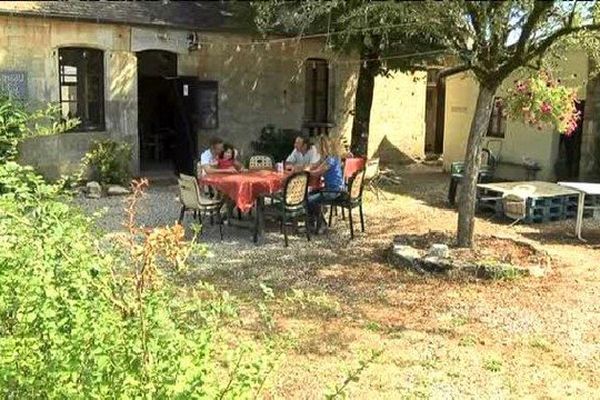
column 315, row 305
column 467, row 341
column 493, row 365
column 453, row 374
column 539, row 342
column 495, row 270
column 373, row 326
column 459, row 320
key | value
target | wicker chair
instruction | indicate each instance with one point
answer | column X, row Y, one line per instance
column 192, row 200
column 260, row 162
column 350, row 200
column 292, row 203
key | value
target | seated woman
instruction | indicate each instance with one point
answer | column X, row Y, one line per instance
column 227, row 161
column 330, row 168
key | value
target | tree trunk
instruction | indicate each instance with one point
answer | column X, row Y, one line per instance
column 468, row 189
column 589, row 163
column 363, row 103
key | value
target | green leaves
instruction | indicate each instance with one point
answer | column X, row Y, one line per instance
column 18, row 123
column 109, row 161
column 73, row 326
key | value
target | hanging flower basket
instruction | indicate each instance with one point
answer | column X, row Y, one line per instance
column 542, row 101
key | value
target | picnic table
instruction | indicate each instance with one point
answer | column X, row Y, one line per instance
column 584, row 189
column 248, row 189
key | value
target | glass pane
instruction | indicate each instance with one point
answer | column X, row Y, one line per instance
column 68, row 93
column 81, row 76
column 69, row 110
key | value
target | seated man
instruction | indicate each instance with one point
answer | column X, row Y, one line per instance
column 209, row 158
column 304, row 154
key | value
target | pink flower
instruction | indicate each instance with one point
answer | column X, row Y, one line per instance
column 546, row 108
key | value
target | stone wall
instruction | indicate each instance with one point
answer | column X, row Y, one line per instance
column 397, row 131
column 257, row 86
column 31, row 45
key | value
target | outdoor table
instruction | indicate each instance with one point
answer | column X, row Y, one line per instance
column 248, row 188
column 584, row 189
column 351, row 165
column 536, row 190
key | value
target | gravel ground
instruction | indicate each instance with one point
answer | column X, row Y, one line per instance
column 443, row 339
column 160, row 207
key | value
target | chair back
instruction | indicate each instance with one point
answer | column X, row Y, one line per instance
column 189, row 192
column 488, row 161
column 260, row 162
column 351, row 165
column 371, row 168
column 295, row 190
column 486, row 166
column 356, row 184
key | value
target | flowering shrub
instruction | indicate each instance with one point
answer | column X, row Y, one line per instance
column 542, row 100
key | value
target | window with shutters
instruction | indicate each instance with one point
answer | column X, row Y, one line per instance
column 316, row 91
column 81, row 81
column 497, row 124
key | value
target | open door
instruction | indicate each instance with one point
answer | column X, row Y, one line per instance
column 185, row 94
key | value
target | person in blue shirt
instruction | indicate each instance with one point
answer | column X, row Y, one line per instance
column 330, row 168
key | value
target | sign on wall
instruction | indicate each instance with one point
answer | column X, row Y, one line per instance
column 14, row 83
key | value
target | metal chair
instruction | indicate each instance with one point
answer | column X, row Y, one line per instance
column 192, row 200
column 293, row 203
column 373, row 176
column 260, row 162
column 350, row 200
column 487, row 170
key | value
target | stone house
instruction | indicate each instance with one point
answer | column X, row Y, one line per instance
column 558, row 157
column 167, row 76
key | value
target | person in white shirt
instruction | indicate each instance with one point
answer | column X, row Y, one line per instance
column 304, row 154
column 209, row 158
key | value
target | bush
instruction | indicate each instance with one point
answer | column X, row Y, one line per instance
column 79, row 319
column 109, row 162
column 18, row 123
column 276, row 143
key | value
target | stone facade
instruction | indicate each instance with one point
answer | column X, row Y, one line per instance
column 257, row 86
column 521, row 141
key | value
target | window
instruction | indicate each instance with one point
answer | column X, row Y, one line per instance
column 81, row 79
column 316, row 91
column 208, row 101
column 497, row 124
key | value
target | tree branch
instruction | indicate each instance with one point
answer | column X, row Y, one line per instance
column 539, row 8
column 454, row 70
column 545, row 44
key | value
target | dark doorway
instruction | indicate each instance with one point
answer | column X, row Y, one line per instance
column 160, row 137
column 569, row 150
column 434, row 113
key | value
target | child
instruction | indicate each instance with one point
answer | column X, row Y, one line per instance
column 226, row 160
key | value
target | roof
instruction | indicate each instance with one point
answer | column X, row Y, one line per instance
column 197, row 15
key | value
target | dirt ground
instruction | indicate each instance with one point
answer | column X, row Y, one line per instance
column 335, row 300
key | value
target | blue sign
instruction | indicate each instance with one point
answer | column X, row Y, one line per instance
column 14, row 83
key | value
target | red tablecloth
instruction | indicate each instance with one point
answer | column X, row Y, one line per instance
column 245, row 187
column 351, row 165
